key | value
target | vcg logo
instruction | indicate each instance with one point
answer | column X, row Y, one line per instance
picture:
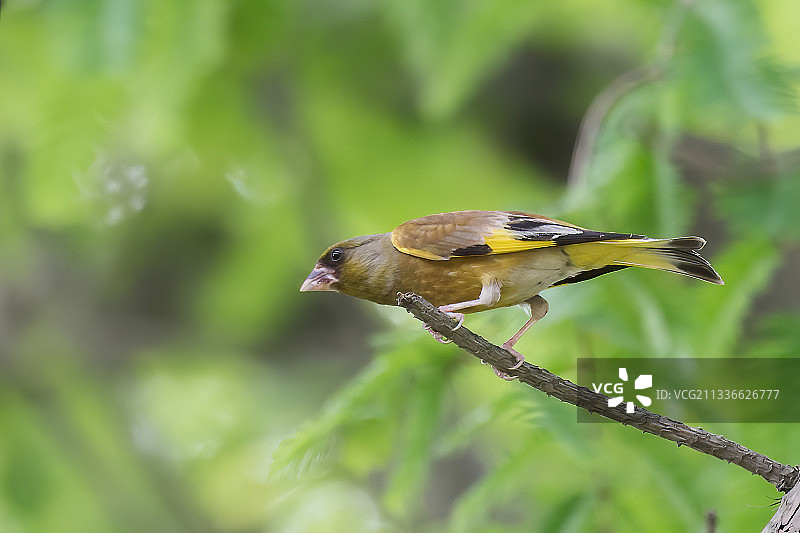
column 616, row 390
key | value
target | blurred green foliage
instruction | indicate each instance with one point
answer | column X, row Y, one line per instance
column 170, row 171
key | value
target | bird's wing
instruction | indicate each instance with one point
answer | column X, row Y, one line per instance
column 473, row 233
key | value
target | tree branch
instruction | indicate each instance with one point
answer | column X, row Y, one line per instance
column 787, row 517
column 784, row 477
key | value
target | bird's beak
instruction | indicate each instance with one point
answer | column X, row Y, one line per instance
column 320, row 279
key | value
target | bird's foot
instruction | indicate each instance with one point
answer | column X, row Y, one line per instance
column 459, row 317
column 520, row 358
column 499, row 373
column 437, row 336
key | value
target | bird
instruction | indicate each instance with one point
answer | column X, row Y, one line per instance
column 472, row 261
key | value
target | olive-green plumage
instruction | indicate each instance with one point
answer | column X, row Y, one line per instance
column 451, row 257
column 373, row 269
column 470, row 261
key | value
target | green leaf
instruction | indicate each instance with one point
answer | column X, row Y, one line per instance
column 721, row 59
column 569, row 516
column 746, row 268
column 450, row 45
column 415, row 437
column 310, row 444
column 759, row 206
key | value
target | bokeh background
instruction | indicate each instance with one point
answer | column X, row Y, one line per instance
column 170, row 171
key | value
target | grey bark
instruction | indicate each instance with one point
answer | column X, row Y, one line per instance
column 787, row 518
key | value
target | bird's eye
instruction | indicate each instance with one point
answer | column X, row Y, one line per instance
column 336, row 255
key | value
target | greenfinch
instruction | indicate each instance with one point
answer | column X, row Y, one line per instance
column 471, row 261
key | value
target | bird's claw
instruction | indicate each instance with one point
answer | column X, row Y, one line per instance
column 519, row 357
column 499, row 373
column 459, row 317
column 503, row 375
column 437, row 336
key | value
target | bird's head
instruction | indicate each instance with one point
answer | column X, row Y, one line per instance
column 354, row 267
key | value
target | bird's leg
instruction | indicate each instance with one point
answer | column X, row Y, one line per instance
column 538, row 308
column 490, row 295
column 450, row 308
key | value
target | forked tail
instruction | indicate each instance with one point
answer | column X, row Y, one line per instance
column 678, row 255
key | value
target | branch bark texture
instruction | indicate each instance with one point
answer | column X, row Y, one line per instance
column 784, row 477
column 787, row 518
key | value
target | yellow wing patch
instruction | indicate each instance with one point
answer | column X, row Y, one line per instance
column 502, row 241
column 424, row 254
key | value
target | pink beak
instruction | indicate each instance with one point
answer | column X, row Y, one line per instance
column 320, row 279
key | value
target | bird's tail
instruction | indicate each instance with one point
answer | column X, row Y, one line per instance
column 678, row 255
